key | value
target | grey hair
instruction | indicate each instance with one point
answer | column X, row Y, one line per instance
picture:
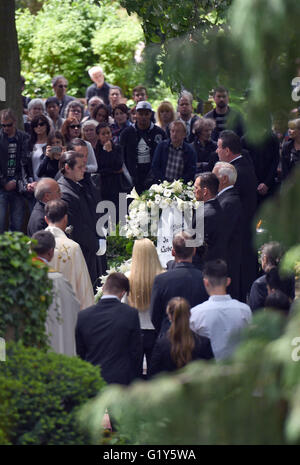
column 95, row 97
column 42, row 188
column 227, row 169
column 74, row 103
column 36, row 101
column 90, row 122
column 187, row 95
column 202, row 123
column 94, row 70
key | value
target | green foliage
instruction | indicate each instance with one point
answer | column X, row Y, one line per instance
column 69, row 36
column 119, row 249
column 25, row 291
column 242, row 401
column 40, row 394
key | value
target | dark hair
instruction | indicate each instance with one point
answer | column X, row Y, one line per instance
column 55, row 135
column 216, row 272
column 55, row 210
column 210, row 181
column 273, row 252
column 116, row 283
column 139, row 89
column 231, row 140
column 77, row 142
column 68, row 158
column 100, row 126
column 56, row 78
column 101, row 106
column 116, row 87
column 122, row 107
column 179, row 245
column 45, row 242
column 220, row 89
column 74, row 104
column 34, row 124
column 274, row 281
column 278, row 300
column 8, row 114
column 65, row 127
column 180, row 334
column 52, row 100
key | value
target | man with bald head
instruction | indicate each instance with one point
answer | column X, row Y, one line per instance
column 46, row 189
column 231, row 206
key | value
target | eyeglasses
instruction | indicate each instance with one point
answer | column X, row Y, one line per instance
column 9, row 125
column 75, row 111
column 40, row 124
column 75, row 126
column 62, row 85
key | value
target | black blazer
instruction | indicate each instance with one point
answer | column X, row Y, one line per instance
column 37, row 219
column 161, row 359
column 183, row 281
column 246, row 185
column 108, row 334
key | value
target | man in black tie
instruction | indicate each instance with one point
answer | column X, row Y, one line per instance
column 229, row 150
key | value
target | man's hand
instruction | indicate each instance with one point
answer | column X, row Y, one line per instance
column 262, row 189
column 10, row 186
column 31, row 186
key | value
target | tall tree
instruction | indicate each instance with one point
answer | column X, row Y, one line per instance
column 9, row 59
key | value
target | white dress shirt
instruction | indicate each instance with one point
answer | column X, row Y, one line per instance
column 222, row 320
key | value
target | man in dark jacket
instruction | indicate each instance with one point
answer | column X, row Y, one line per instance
column 46, row 189
column 174, row 159
column 81, row 209
column 108, row 334
column 100, row 88
column 185, row 280
column 15, row 171
column 138, row 144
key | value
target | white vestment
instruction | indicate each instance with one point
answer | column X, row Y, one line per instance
column 62, row 315
column 68, row 259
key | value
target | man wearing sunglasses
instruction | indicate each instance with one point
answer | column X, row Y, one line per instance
column 60, row 85
column 14, row 171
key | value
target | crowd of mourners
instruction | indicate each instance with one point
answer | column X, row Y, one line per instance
column 74, row 153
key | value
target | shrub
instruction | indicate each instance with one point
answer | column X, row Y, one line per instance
column 25, row 292
column 40, row 394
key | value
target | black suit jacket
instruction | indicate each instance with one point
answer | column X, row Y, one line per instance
column 161, row 359
column 232, row 232
column 183, row 281
column 108, row 334
column 37, row 219
column 246, row 185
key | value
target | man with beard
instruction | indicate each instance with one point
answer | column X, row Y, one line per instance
column 224, row 116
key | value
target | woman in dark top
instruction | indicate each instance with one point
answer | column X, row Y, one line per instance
column 271, row 254
column 203, row 145
column 101, row 113
column 121, row 117
column 180, row 345
column 49, row 164
column 291, row 149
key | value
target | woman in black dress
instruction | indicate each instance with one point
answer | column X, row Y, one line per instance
column 180, row 345
column 203, row 145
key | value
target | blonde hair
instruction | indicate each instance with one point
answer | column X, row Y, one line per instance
column 165, row 105
column 144, row 268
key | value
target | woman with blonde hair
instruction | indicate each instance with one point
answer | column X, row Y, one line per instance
column 165, row 115
column 144, row 268
column 180, row 345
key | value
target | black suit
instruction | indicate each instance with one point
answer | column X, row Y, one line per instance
column 183, row 281
column 82, row 216
column 108, row 334
column 246, row 185
column 232, row 232
column 37, row 219
column 214, row 245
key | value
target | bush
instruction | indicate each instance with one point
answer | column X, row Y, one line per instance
column 25, row 292
column 40, row 394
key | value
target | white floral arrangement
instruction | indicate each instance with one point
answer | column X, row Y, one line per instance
column 123, row 268
column 151, row 202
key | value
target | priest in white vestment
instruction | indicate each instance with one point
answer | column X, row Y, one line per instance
column 68, row 258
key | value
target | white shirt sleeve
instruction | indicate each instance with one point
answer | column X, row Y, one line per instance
column 92, row 165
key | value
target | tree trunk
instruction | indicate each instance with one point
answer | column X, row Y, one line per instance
column 10, row 82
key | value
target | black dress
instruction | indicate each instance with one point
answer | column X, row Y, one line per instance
column 161, row 359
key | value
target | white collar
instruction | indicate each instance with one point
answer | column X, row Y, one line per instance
column 225, row 189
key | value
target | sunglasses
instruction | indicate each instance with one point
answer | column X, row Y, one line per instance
column 62, row 85
column 9, row 125
column 75, row 126
column 39, row 124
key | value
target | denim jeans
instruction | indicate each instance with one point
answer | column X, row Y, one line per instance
column 15, row 201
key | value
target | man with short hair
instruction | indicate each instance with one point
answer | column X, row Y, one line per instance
column 184, row 280
column 62, row 313
column 46, row 189
column 229, row 150
column 60, row 85
column 99, row 87
column 68, row 258
column 15, row 172
column 221, row 318
column 206, row 190
column 52, row 108
column 108, row 334
column 224, row 116
column 139, row 94
column 230, row 202
column 185, row 110
column 138, row 143
column 115, row 97
column 174, row 158
column 85, row 148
